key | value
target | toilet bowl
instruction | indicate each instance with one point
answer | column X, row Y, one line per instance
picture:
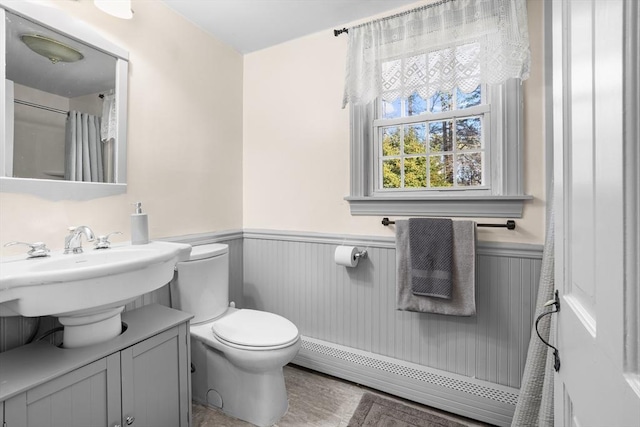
column 244, row 381
column 237, row 354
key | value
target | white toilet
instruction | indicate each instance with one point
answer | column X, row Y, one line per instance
column 238, row 355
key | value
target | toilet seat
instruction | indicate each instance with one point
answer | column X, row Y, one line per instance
column 255, row 330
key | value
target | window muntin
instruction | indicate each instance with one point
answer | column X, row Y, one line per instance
column 440, row 143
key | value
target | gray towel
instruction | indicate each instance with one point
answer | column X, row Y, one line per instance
column 463, row 299
column 431, row 245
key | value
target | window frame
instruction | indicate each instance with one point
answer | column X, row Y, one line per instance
column 482, row 110
column 504, row 199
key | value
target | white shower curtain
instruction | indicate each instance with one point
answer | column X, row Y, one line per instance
column 535, row 403
column 83, row 148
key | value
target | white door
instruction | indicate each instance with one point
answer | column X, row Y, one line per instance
column 596, row 211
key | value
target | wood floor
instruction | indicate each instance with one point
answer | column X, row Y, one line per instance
column 315, row 400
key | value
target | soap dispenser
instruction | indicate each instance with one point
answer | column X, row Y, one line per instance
column 139, row 226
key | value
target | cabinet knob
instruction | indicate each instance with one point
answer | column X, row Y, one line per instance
column 130, row 420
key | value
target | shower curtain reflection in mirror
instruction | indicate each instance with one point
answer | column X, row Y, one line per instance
column 83, row 159
column 85, row 151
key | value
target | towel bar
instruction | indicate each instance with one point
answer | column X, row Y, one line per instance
column 509, row 225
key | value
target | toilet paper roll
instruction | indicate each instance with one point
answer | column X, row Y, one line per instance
column 346, row 255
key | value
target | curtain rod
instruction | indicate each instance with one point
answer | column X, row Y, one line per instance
column 417, row 9
column 44, row 107
column 41, row 107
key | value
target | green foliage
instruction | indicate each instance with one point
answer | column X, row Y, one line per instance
column 415, row 172
column 391, row 141
column 441, row 171
column 391, row 173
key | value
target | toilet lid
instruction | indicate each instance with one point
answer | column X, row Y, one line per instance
column 208, row 251
column 255, row 329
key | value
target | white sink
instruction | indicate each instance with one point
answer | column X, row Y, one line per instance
column 87, row 291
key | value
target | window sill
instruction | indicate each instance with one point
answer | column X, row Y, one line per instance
column 447, row 206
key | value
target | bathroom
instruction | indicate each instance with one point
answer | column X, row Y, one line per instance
column 221, row 147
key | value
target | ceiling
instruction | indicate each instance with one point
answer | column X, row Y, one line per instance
column 251, row 25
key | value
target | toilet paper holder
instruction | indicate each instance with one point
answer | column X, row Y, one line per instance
column 349, row 256
column 361, row 255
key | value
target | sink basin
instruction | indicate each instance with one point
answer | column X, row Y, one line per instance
column 87, row 291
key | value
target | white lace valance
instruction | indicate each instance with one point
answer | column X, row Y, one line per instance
column 438, row 47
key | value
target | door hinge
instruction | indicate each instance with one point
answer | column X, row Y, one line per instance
column 555, row 302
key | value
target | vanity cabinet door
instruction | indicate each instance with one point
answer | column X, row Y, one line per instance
column 86, row 397
column 155, row 388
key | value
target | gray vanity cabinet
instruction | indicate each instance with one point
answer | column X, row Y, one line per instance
column 88, row 396
column 152, row 373
column 145, row 383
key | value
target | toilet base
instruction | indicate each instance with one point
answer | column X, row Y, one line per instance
column 258, row 398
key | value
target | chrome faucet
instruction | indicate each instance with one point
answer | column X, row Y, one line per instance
column 73, row 242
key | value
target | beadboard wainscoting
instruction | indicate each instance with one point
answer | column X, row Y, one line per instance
column 350, row 326
column 295, row 275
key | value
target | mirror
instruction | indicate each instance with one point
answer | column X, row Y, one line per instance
column 64, row 106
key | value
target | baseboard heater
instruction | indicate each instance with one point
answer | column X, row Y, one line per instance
column 469, row 397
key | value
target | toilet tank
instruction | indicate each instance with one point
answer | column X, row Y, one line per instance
column 201, row 284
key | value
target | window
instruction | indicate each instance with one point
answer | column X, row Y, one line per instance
column 436, row 110
column 452, row 154
column 432, row 144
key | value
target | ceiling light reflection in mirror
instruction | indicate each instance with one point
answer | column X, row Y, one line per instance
column 51, row 49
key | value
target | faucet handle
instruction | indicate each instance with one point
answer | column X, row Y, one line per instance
column 38, row 249
column 103, row 241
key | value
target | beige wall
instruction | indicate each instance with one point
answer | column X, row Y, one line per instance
column 184, row 136
column 216, row 144
column 296, row 140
